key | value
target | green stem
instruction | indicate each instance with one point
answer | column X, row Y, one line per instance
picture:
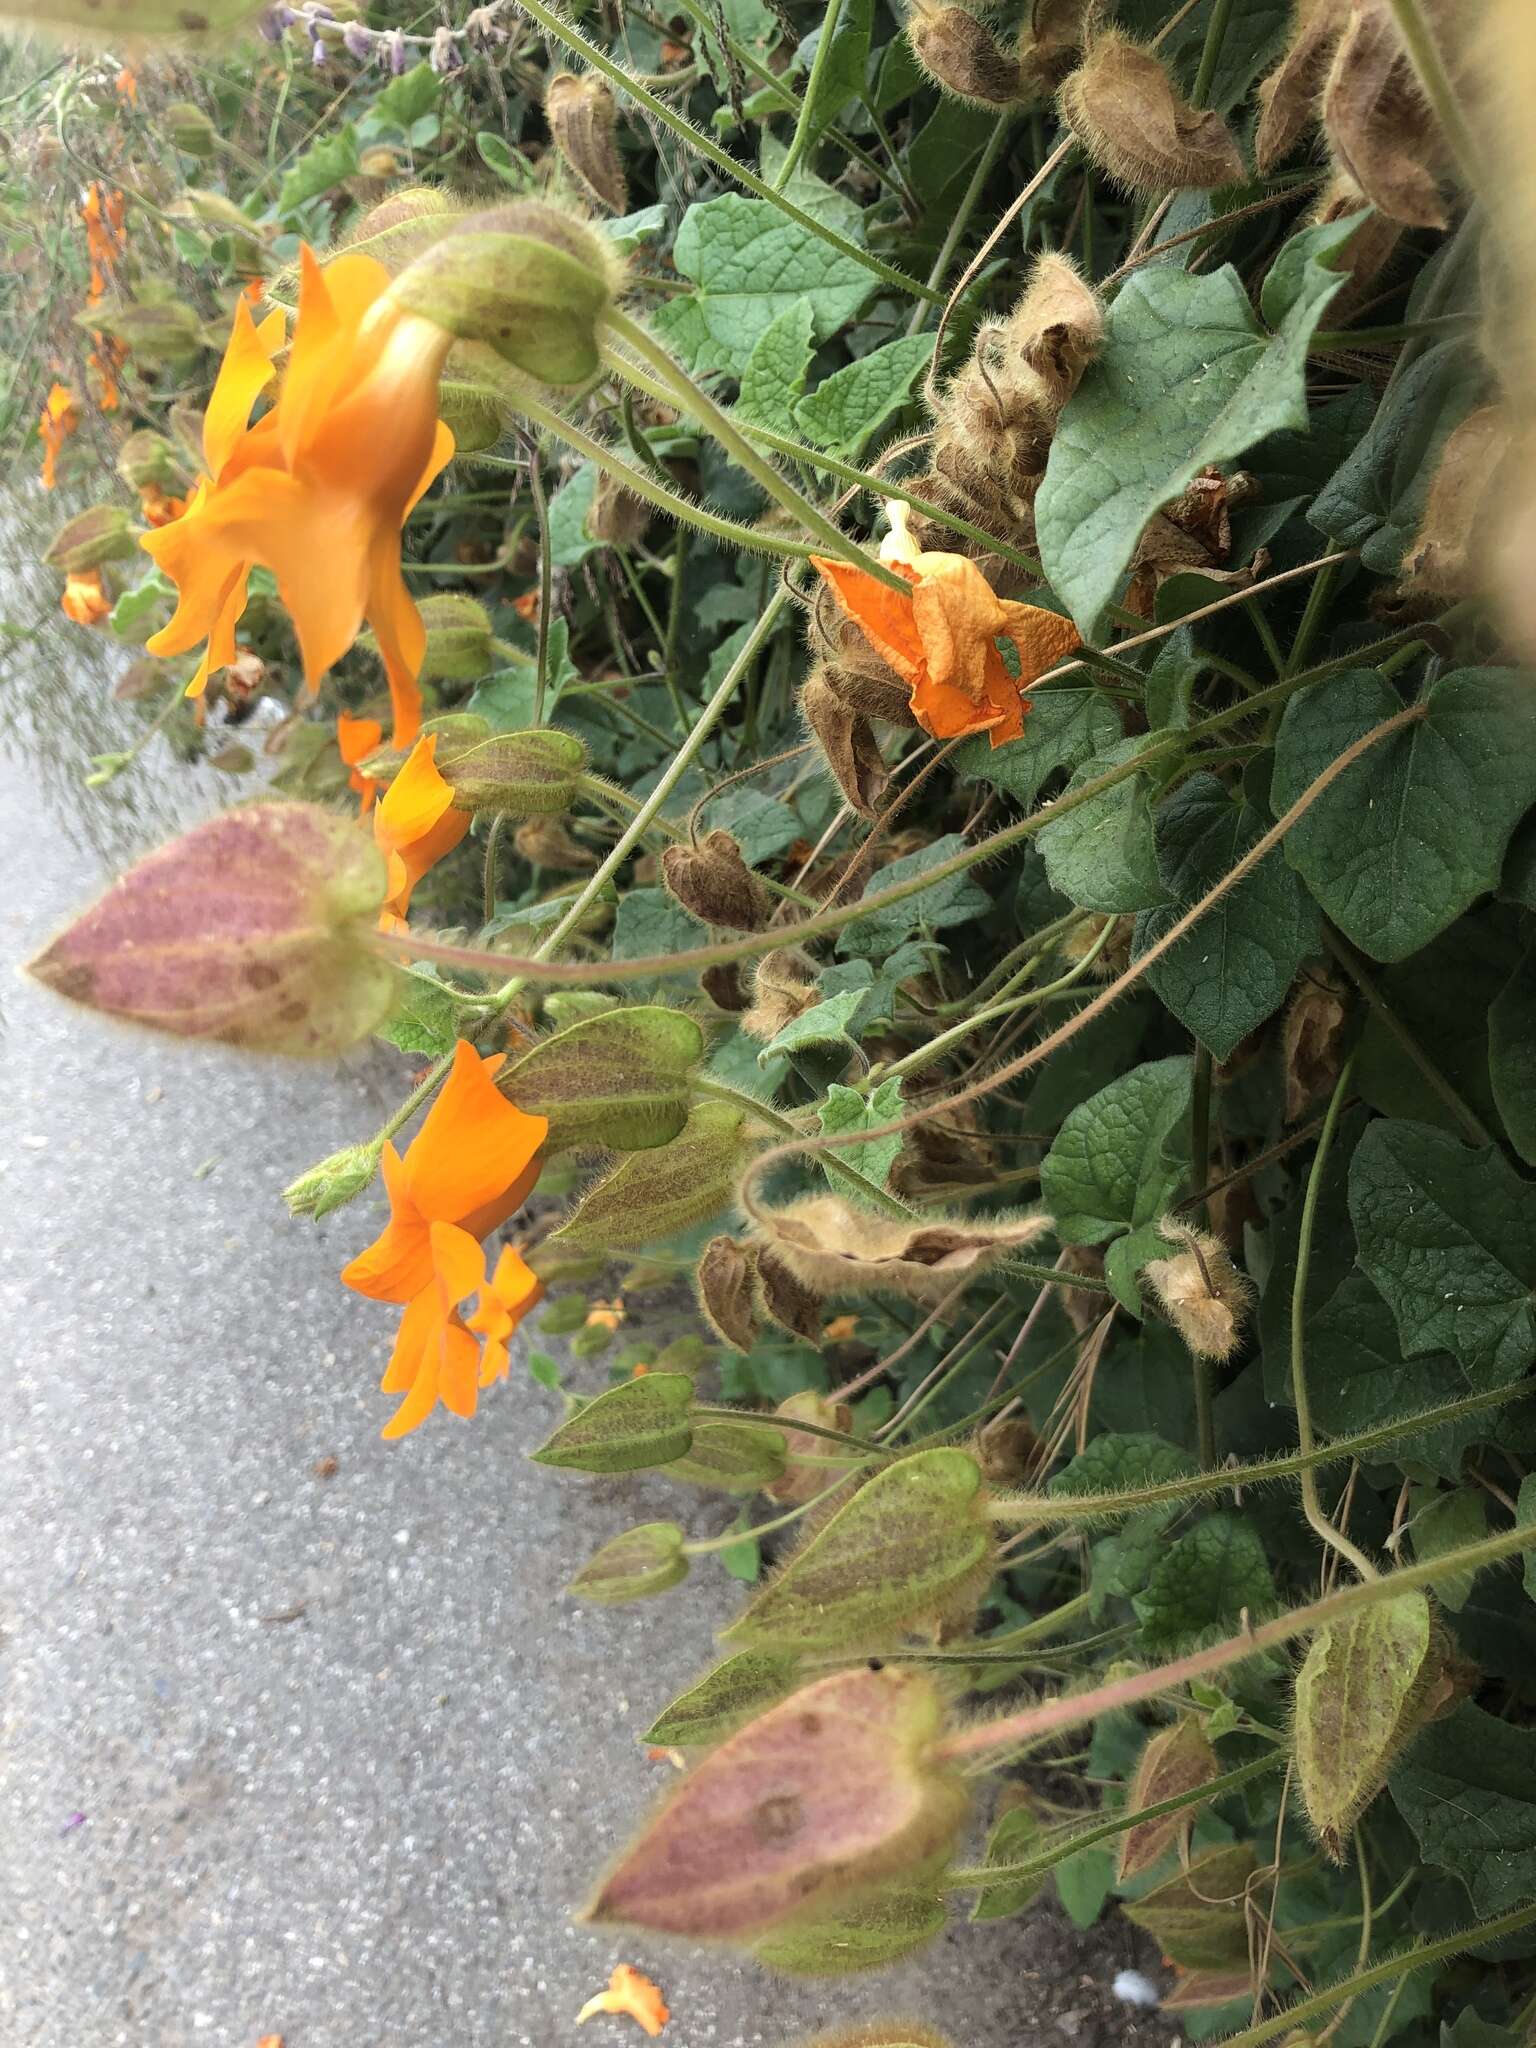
column 1045, row 1510
column 801, row 140
column 1316, row 605
column 1200, row 1156
column 1312, row 1506
column 969, row 201
column 683, row 391
column 1118, row 1824
column 1077, row 1709
column 1210, row 55
column 1424, row 55
column 790, row 1422
column 1402, row 1965
column 492, row 849
column 546, row 578
column 706, row 147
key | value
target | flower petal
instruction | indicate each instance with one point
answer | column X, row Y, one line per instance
column 398, row 1264
column 458, row 1262
column 243, row 375
column 474, row 1143
column 885, row 614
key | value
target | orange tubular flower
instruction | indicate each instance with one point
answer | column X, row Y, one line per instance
column 356, row 739
column 58, row 420
column 633, row 1995
column 126, row 86
column 159, row 507
column 318, row 490
column 942, row 639
column 473, row 1162
column 414, row 825
column 85, row 598
column 505, row 1299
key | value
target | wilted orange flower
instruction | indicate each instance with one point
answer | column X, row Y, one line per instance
column 942, row 639
column 527, row 606
column 414, row 825
column 606, row 1315
column 473, row 1162
column 505, row 1299
column 58, row 420
column 633, row 1995
column 85, row 598
column 318, row 490
column 103, row 213
column 159, row 507
column 356, row 739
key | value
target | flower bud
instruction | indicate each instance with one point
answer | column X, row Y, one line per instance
column 633, row 1566
column 148, row 459
column 653, row 1195
column 252, row 929
column 714, row 884
column 1207, row 1299
column 104, row 534
column 474, row 419
column 824, row 1797
column 333, row 1182
column 869, row 1933
column 529, row 281
column 158, row 335
column 847, row 742
column 401, row 226
column 216, row 210
column 582, row 117
column 459, row 640
column 725, row 1283
column 1122, row 106
column 189, row 128
column 961, row 54
column 1360, row 1699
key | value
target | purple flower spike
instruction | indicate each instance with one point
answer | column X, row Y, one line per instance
column 358, row 41
column 397, row 52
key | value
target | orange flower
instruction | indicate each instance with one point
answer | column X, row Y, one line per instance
column 158, row 507
column 103, row 213
column 318, row 490
column 356, row 739
column 527, row 606
column 606, row 1315
column 58, row 420
column 473, row 1163
column 106, row 359
column 85, row 598
column 126, row 86
column 254, row 290
column 634, row 1996
column 414, row 825
column 942, row 639
column 505, row 1299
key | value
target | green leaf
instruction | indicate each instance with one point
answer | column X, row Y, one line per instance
column 630, row 230
column 569, row 541
column 510, row 165
column 956, row 900
column 1448, row 1234
column 1063, row 729
column 1512, row 1057
column 1083, row 1882
column 648, row 923
column 1525, row 1518
column 887, row 1556
column 634, row 1427
column 1119, row 1156
column 1448, row 1521
column 407, row 98
column 750, row 263
column 1415, row 830
column 743, row 1685
column 321, row 169
column 1121, row 1464
column 1376, row 499
column 619, row 1080
column 1205, row 1581
column 853, row 403
column 761, row 825
column 1467, row 1788
column 424, row 1019
column 825, row 1025
column 1012, row 1838
column 137, row 612
column 775, row 374
column 1236, row 966
column 505, row 699
column 1126, row 1257
column 845, row 1109
column 841, row 75
column 1103, row 855
column 1186, row 378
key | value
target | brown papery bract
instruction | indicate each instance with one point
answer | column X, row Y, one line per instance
column 1289, row 95
column 847, row 742
column 1122, row 105
column 1378, row 124
column 582, row 119
column 713, row 883
column 783, row 989
column 1207, row 1299
column 836, row 1248
column 961, row 54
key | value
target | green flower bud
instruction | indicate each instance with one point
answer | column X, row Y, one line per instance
column 332, row 1182
column 189, row 128
column 104, row 534
column 633, row 1566
column 149, row 458
column 529, row 281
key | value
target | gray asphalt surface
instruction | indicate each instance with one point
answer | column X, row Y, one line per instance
column 331, row 1759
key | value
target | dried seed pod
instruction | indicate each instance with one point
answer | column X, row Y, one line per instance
column 723, row 985
column 1007, row 1450
column 617, row 515
column 992, row 436
column 1367, row 252
column 583, row 116
column 725, row 1281
column 1312, row 1040
column 783, row 990
column 863, row 679
column 961, row 54
column 1288, row 96
column 1082, row 1306
column 1207, row 1299
column 1122, row 106
column 1454, row 541
column 847, row 742
column 1049, row 41
column 714, row 884
column 546, row 843
column 1359, row 1700
column 1378, row 124
column 792, row 1305
column 1058, row 325
column 835, row 1248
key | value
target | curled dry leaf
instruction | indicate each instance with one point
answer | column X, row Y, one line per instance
column 833, row 1247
